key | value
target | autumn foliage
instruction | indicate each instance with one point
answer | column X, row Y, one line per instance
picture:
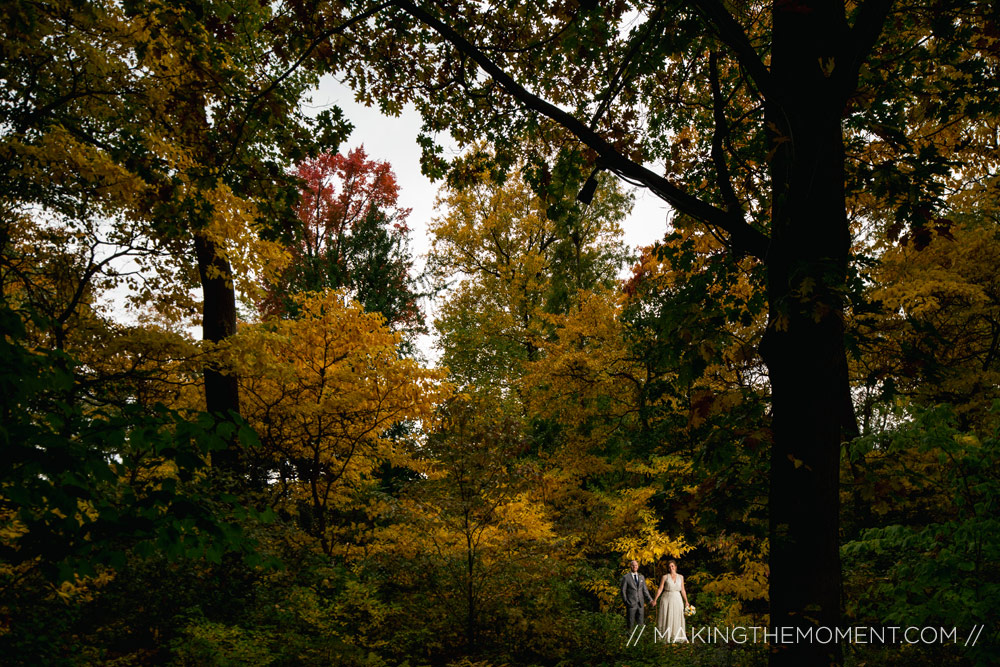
column 221, row 445
column 350, row 233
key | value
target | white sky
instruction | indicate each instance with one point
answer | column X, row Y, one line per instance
column 394, row 140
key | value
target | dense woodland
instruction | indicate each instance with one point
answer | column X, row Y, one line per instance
column 222, row 444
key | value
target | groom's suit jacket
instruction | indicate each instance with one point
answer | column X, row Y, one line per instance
column 635, row 594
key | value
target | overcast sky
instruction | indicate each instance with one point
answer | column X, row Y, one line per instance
column 394, row 140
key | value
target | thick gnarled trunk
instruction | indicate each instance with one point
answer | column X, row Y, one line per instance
column 804, row 345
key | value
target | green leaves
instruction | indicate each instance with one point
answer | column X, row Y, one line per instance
column 933, row 560
column 82, row 486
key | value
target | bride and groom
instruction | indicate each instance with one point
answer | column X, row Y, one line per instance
column 670, row 614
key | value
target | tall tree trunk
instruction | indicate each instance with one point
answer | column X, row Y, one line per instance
column 222, row 397
column 804, row 344
column 470, row 621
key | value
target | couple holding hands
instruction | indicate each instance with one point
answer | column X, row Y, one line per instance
column 670, row 616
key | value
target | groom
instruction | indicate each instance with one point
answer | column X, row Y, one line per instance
column 636, row 595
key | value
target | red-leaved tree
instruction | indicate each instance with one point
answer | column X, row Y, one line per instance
column 352, row 234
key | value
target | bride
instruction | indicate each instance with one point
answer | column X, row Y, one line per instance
column 670, row 616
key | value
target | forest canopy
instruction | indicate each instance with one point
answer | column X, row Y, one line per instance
column 221, row 443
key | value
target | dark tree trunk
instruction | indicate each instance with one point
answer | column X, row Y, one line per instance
column 222, row 397
column 804, row 344
column 470, row 621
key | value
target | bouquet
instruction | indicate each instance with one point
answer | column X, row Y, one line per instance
column 689, row 610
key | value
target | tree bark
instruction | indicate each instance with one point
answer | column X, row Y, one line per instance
column 804, row 344
column 222, row 398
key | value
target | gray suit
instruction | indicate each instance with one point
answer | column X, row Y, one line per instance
column 635, row 595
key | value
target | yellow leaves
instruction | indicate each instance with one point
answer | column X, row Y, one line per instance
column 169, row 362
column 920, row 282
column 749, row 580
column 827, row 65
column 489, row 229
column 83, row 589
column 952, row 288
column 650, row 546
column 493, row 530
column 967, row 439
column 117, row 117
column 507, row 253
column 607, row 593
column 587, row 370
column 327, row 387
column 75, row 591
column 652, row 276
column 498, row 236
column 524, row 518
column 58, row 158
column 11, row 528
column 233, row 228
column 634, row 521
column 660, row 466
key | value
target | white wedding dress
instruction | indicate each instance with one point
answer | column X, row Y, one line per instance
column 670, row 615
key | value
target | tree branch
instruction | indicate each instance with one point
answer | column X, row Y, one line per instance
column 732, row 35
column 618, row 81
column 863, row 35
column 722, row 176
column 743, row 237
column 319, row 39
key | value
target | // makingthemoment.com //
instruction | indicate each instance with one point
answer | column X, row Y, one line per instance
column 866, row 634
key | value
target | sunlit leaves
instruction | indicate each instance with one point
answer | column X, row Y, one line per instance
column 323, row 392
